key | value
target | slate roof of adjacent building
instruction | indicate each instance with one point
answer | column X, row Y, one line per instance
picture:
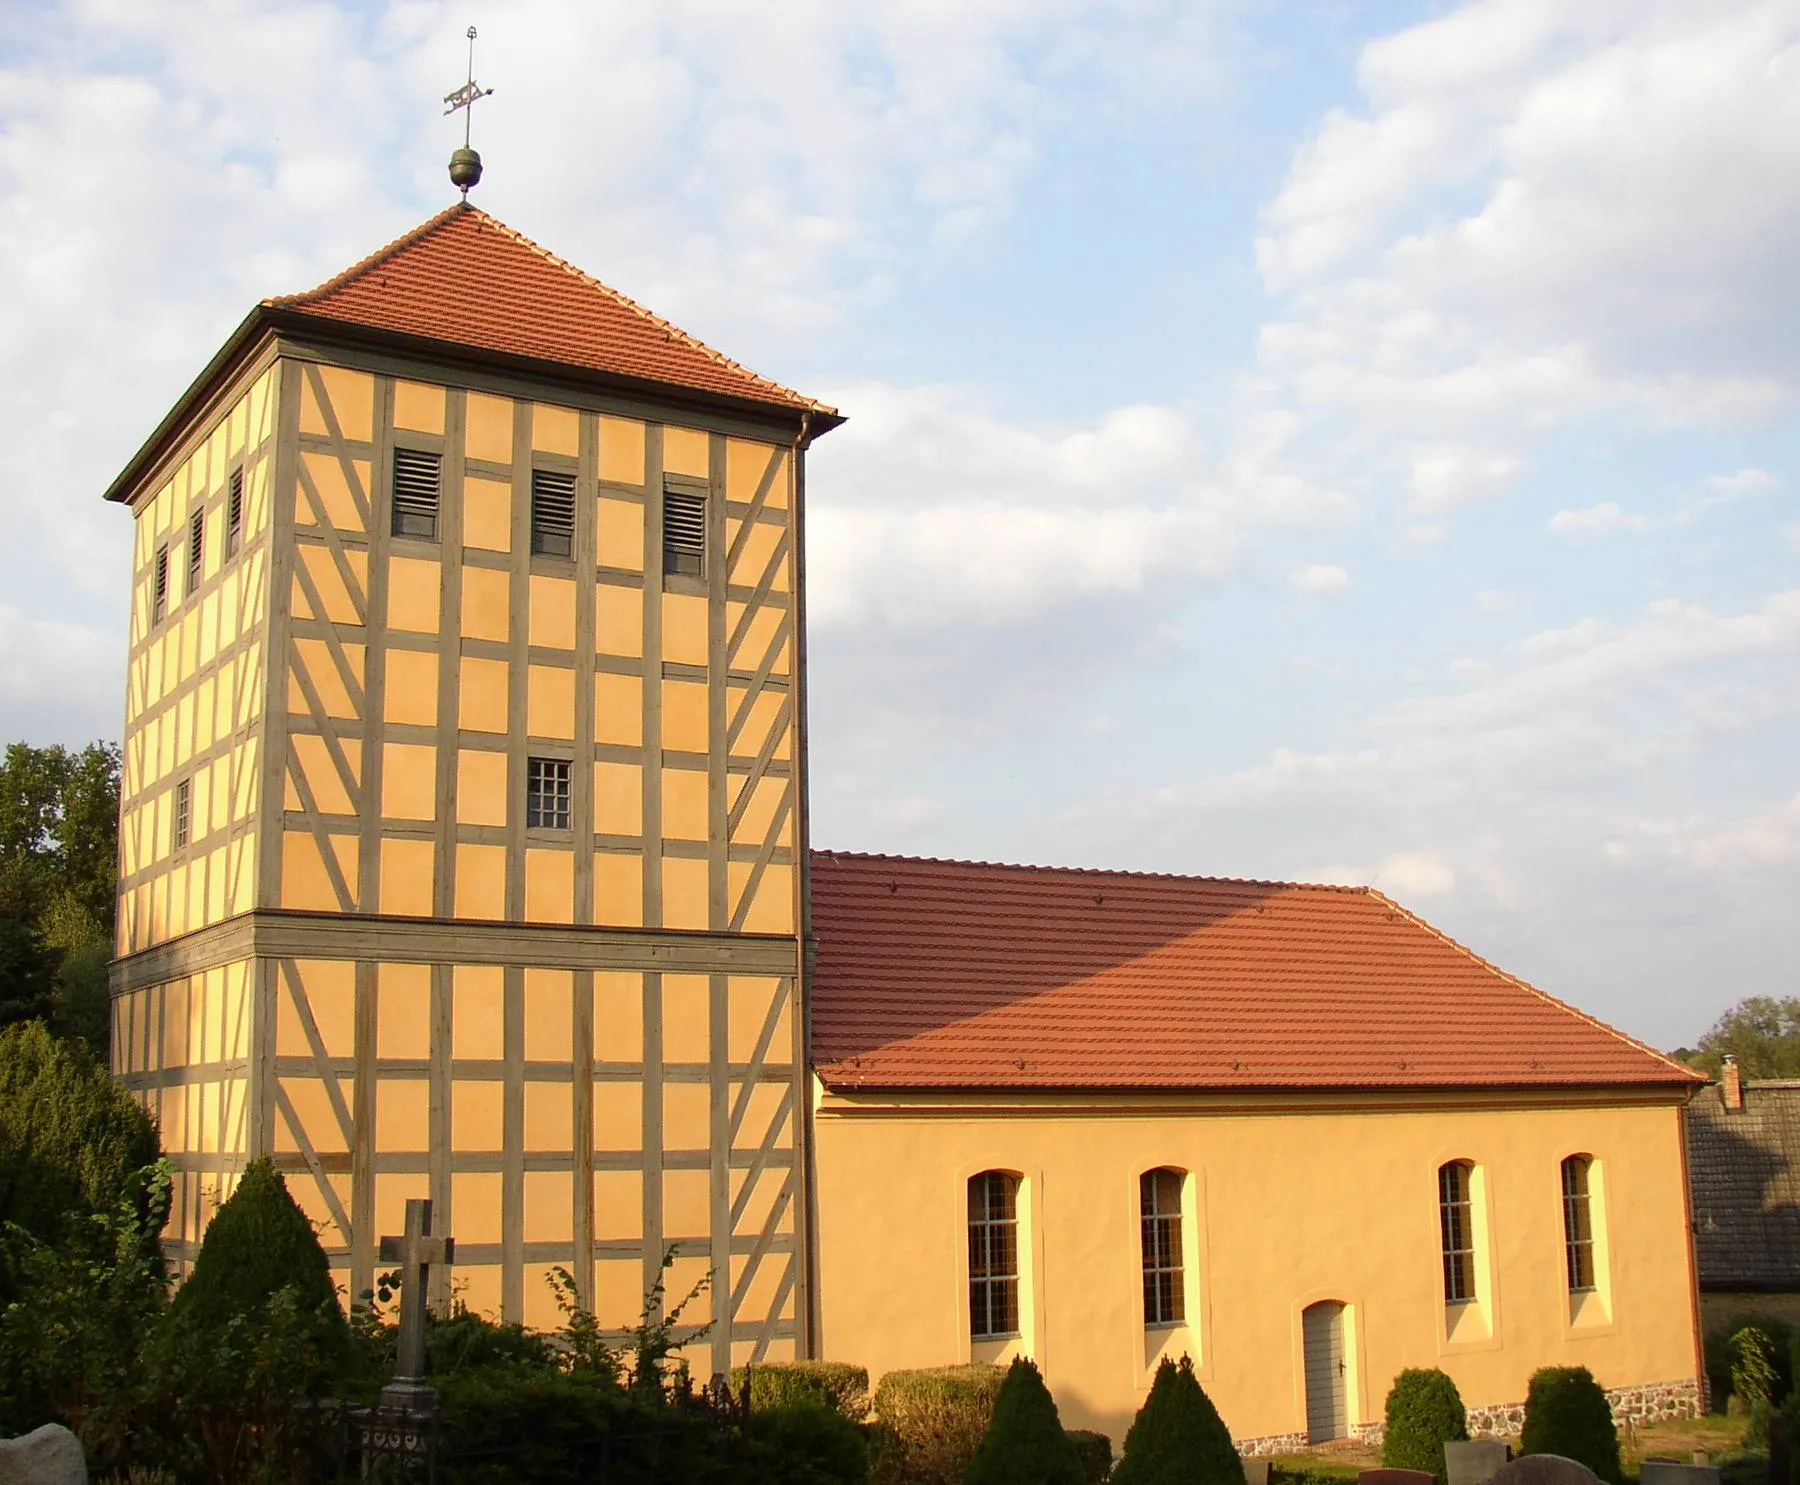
column 1744, row 1175
column 957, row 975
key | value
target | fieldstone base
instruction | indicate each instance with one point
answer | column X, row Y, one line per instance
column 1271, row 1443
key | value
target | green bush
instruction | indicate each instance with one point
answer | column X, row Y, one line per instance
column 1721, row 1356
column 1094, row 1453
column 1424, row 1412
column 1024, row 1443
column 1178, row 1437
column 931, row 1422
column 71, row 1139
column 838, row 1385
column 1566, row 1413
column 806, row 1443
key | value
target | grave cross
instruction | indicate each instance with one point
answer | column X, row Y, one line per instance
column 415, row 1251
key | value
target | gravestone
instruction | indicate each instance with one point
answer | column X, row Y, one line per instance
column 50, row 1455
column 1672, row 1472
column 1474, row 1461
column 1256, row 1471
column 1544, row 1469
column 1396, row 1477
column 415, row 1251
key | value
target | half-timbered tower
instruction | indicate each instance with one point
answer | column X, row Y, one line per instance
column 463, row 799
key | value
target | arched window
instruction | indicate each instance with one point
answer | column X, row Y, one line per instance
column 1457, row 1224
column 1159, row 1211
column 1578, row 1224
column 993, row 1255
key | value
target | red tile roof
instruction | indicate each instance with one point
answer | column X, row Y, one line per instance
column 966, row 975
column 470, row 280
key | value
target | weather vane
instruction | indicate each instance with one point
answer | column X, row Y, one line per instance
column 465, row 164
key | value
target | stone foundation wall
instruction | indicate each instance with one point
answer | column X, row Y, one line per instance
column 1654, row 1402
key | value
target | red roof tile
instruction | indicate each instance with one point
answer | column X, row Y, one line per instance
column 965, row 975
column 467, row 279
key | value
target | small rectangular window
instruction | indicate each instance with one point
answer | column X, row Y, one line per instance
column 1159, row 1208
column 552, row 513
column 1456, row 1222
column 547, row 793
column 234, row 513
column 684, row 533
column 184, row 812
column 196, row 550
column 416, row 480
column 1578, row 1224
column 159, row 591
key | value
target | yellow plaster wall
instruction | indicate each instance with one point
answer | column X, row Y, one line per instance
column 1287, row 1209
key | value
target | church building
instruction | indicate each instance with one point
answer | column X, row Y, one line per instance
column 464, row 855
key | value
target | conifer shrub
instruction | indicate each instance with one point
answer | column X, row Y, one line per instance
column 837, row 1385
column 1024, row 1443
column 1566, row 1413
column 1178, row 1437
column 1424, row 1412
column 1094, row 1451
column 806, row 1444
column 931, row 1422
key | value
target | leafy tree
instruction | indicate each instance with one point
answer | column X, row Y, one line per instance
column 1024, row 1443
column 1566, row 1413
column 71, row 1139
column 1424, row 1412
column 1178, row 1437
column 28, row 965
column 1763, row 1033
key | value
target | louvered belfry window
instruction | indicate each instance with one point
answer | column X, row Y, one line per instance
column 234, row 513
column 196, row 550
column 993, row 1254
column 416, row 480
column 684, row 532
column 1456, row 1220
column 1159, row 1213
column 552, row 513
column 159, row 594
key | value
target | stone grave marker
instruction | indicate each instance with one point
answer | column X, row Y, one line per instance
column 1396, row 1477
column 1544, row 1469
column 1474, row 1461
column 1672, row 1472
column 50, row 1455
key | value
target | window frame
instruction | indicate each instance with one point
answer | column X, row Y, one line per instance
column 685, row 488
column 181, row 815
column 159, row 584
column 1160, row 1237
column 544, row 475
column 1456, row 1230
column 196, row 551
column 561, row 772
column 1579, row 1257
column 993, row 1242
column 234, row 512
column 401, row 453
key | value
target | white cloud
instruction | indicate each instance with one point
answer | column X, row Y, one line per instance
column 1606, row 519
column 59, row 682
column 1415, row 874
column 1321, row 580
column 1743, row 484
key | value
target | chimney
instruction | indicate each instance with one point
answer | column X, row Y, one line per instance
column 1731, row 1084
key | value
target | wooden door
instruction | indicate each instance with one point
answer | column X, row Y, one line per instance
column 1322, row 1329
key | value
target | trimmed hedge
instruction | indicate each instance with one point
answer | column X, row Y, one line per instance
column 1024, row 1443
column 1424, row 1412
column 1094, row 1452
column 837, row 1385
column 1178, row 1437
column 1566, row 1413
column 931, row 1422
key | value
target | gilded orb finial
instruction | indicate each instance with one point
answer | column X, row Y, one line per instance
column 465, row 164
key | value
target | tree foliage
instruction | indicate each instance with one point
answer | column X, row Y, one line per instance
column 1024, row 1443
column 71, row 1139
column 1424, row 1412
column 1761, row 1032
column 1178, row 1437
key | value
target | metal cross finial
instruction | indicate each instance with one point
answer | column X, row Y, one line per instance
column 465, row 164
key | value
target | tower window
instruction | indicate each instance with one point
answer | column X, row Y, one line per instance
column 1159, row 1209
column 184, row 812
column 416, row 480
column 552, row 513
column 684, row 533
column 159, row 592
column 993, row 1254
column 547, row 793
column 196, row 550
column 1578, row 1224
column 234, row 513
column 1456, row 1222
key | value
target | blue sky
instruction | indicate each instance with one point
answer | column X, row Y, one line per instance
column 1350, row 443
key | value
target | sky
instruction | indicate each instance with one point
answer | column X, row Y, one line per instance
column 1308, row 441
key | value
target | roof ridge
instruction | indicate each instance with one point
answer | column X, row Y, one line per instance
column 1543, row 995
column 381, row 254
column 1093, row 871
column 668, row 327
